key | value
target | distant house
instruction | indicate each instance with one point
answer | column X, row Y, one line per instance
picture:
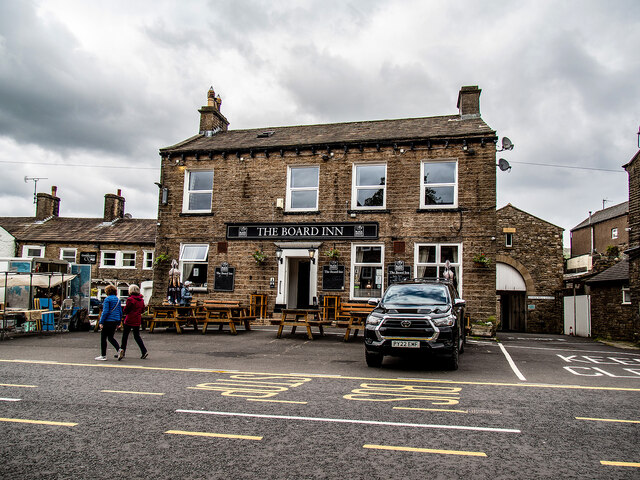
column 611, row 311
column 600, row 230
column 529, row 269
column 119, row 249
column 633, row 170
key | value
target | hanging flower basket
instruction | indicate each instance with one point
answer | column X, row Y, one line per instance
column 259, row 257
column 333, row 254
column 481, row 260
column 161, row 260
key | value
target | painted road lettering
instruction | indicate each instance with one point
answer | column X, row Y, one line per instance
column 616, row 367
column 252, row 386
column 388, row 392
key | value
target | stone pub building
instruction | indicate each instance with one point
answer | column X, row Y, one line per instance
column 344, row 209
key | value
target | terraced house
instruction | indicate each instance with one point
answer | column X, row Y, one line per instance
column 119, row 248
column 298, row 213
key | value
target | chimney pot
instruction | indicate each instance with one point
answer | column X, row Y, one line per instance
column 211, row 120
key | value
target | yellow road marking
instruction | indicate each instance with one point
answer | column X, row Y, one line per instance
column 132, row 393
column 431, row 409
column 274, row 401
column 21, row 386
column 425, row 450
column 620, row 464
column 209, row 434
column 38, row 422
column 607, row 420
column 417, row 380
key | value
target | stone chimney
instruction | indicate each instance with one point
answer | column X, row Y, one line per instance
column 113, row 206
column 211, row 120
column 469, row 101
column 47, row 205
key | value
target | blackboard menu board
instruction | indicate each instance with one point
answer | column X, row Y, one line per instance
column 398, row 272
column 333, row 276
column 88, row 258
column 224, row 278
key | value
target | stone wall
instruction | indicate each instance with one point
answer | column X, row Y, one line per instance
column 537, row 255
column 610, row 318
column 246, row 189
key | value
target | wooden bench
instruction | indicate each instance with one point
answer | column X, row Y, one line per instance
column 223, row 313
column 352, row 316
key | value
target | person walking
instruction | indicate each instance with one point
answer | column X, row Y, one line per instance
column 133, row 319
column 109, row 321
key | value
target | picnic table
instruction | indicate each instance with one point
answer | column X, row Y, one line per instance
column 352, row 316
column 169, row 314
column 226, row 313
column 301, row 317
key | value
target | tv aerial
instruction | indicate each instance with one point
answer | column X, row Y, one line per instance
column 35, row 185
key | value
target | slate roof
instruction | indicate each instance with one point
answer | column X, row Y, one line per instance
column 617, row 273
column 605, row 214
column 81, row 230
column 400, row 130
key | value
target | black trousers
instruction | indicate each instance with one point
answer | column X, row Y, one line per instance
column 108, row 330
column 136, row 336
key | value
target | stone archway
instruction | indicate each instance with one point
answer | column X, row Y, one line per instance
column 513, row 284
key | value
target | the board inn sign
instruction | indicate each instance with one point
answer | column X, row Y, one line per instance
column 302, row 231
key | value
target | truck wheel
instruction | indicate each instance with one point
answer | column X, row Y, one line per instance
column 452, row 359
column 373, row 359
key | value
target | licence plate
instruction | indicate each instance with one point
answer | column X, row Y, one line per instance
column 405, row 343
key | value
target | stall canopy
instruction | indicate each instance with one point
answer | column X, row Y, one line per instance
column 42, row 280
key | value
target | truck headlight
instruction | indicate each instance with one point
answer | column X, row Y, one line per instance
column 374, row 319
column 447, row 321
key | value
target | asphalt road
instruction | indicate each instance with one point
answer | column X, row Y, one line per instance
column 253, row 406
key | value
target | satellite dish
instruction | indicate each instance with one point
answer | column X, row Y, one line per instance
column 506, row 144
column 503, row 165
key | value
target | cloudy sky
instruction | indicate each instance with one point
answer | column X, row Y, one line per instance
column 89, row 91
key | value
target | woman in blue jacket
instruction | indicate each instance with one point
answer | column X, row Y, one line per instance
column 109, row 321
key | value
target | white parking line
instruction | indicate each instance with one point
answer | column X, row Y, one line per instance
column 10, row 399
column 346, row 420
column 512, row 364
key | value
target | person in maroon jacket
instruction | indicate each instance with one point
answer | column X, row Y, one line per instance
column 132, row 321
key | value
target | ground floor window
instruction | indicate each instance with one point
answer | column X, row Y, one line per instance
column 626, row 295
column 194, row 259
column 431, row 260
column 367, row 271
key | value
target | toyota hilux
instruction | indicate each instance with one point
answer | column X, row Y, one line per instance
column 416, row 318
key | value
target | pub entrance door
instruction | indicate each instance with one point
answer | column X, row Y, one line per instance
column 297, row 279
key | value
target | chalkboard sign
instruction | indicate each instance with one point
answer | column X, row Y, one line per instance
column 333, row 276
column 224, row 278
column 88, row 258
column 398, row 272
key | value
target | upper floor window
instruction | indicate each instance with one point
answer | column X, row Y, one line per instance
column 194, row 260
column 614, row 233
column 369, row 186
column 147, row 263
column 117, row 259
column 508, row 240
column 302, row 188
column 439, row 185
column 31, row 251
column 198, row 191
column 68, row 254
